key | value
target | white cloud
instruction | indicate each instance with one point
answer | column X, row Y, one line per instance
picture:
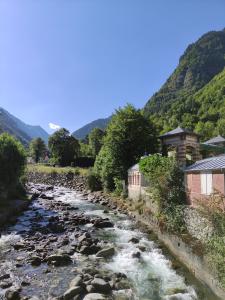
column 54, row 126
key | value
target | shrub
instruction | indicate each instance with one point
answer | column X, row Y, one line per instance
column 93, row 181
column 12, row 165
column 167, row 188
column 118, row 186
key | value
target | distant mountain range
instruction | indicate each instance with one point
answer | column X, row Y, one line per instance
column 85, row 130
column 23, row 132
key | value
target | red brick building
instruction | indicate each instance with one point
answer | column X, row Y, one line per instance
column 204, row 179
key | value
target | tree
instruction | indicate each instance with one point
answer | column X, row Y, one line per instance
column 37, row 149
column 12, row 165
column 96, row 140
column 64, row 147
column 128, row 136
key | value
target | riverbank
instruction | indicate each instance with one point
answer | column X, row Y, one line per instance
column 186, row 248
column 10, row 210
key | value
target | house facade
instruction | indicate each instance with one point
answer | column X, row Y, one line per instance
column 136, row 183
column 204, row 179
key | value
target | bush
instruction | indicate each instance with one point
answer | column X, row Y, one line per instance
column 12, row 165
column 93, row 181
column 118, row 186
column 167, row 188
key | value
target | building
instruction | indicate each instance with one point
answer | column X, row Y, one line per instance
column 182, row 144
column 216, row 141
column 213, row 147
column 205, row 178
column 136, row 183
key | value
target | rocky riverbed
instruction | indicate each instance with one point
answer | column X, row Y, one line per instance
column 73, row 245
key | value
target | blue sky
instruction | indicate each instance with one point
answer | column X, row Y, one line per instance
column 69, row 62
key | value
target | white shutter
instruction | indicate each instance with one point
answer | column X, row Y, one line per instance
column 206, row 183
column 203, row 183
column 209, row 183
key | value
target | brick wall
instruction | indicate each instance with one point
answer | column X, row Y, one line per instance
column 193, row 187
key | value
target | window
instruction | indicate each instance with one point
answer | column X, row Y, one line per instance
column 206, row 183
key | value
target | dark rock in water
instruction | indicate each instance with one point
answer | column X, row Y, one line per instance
column 101, row 286
column 89, row 250
column 18, row 246
column 107, row 252
column 136, row 254
column 12, row 295
column 47, row 197
column 103, row 224
column 4, row 276
column 56, row 228
column 35, row 261
column 5, row 284
column 134, row 240
column 59, row 260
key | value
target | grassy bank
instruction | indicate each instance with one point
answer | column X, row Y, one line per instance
column 39, row 168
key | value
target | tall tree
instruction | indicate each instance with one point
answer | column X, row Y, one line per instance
column 64, row 147
column 96, row 140
column 12, row 164
column 37, row 149
column 128, row 136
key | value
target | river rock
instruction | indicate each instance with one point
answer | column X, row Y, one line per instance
column 59, row 259
column 95, row 296
column 107, row 252
column 134, row 240
column 101, row 286
column 12, row 295
column 77, row 281
column 72, row 292
column 35, row 261
column 89, row 250
column 103, row 224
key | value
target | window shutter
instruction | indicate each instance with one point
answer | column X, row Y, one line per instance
column 203, row 183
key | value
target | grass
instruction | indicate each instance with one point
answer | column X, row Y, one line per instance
column 39, row 168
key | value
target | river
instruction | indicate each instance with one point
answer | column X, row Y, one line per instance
column 147, row 272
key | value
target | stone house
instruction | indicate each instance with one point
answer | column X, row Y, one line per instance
column 137, row 184
column 206, row 178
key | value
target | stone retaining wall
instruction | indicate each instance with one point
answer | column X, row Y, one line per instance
column 68, row 180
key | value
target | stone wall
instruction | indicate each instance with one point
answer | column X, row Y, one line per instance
column 197, row 225
column 68, row 180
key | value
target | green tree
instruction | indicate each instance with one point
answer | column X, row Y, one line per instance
column 64, row 147
column 12, row 164
column 128, row 136
column 37, row 149
column 96, row 140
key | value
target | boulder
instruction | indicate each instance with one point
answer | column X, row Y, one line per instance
column 77, row 281
column 101, row 286
column 59, row 259
column 72, row 292
column 12, row 295
column 134, row 240
column 89, row 250
column 107, row 252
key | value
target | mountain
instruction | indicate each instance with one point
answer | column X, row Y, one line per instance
column 25, row 133
column 85, row 130
column 177, row 103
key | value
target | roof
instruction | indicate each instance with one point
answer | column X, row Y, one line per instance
column 134, row 168
column 178, row 130
column 215, row 140
column 212, row 163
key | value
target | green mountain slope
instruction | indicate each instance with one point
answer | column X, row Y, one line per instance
column 197, row 66
column 17, row 128
column 82, row 132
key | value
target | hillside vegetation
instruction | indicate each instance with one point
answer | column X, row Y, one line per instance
column 193, row 94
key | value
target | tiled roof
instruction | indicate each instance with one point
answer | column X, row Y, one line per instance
column 212, row 163
column 215, row 140
column 178, row 130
